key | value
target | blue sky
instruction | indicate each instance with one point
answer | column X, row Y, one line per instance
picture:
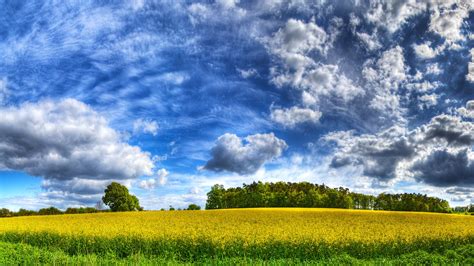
column 171, row 97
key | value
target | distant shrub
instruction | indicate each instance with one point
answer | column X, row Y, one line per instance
column 194, row 207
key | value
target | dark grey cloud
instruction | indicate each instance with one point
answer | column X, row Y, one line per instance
column 460, row 191
column 437, row 153
column 230, row 154
column 444, row 168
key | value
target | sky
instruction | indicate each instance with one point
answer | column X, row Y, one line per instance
column 172, row 97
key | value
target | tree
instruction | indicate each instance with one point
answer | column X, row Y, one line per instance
column 49, row 211
column 5, row 213
column 118, row 198
column 193, row 207
column 214, row 197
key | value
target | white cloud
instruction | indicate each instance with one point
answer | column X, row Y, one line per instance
column 231, row 154
column 298, row 37
column 160, row 178
column 385, row 76
column 433, row 69
column 145, row 126
column 467, row 111
column 393, row 14
column 470, row 70
column 227, row 10
column 447, row 22
column 67, row 141
column 294, row 116
column 175, row 78
column 371, row 42
column 428, row 100
column 251, row 72
column 424, row 50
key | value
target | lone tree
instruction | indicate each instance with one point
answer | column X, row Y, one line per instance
column 119, row 199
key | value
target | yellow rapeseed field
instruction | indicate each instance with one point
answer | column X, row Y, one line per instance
column 254, row 226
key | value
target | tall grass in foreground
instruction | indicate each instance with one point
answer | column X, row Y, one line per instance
column 265, row 234
column 22, row 254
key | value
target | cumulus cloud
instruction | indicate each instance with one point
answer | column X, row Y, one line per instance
column 160, row 178
column 378, row 154
column 233, row 154
column 447, row 21
column 294, row 116
column 436, row 153
column 450, row 129
column 145, row 126
column 68, row 144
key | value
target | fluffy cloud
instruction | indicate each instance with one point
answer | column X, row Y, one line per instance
column 145, row 126
column 385, row 76
column 159, row 179
column 293, row 116
column 392, row 14
column 294, row 46
column 298, row 37
column 231, row 154
column 424, row 51
column 68, row 144
column 447, row 21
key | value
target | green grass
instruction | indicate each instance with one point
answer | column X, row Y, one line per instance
column 186, row 250
column 23, row 254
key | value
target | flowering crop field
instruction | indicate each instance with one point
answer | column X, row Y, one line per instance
column 281, row 233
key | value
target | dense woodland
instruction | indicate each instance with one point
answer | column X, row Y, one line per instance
column 304, row 194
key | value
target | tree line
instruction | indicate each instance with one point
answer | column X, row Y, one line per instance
column 116, row 197
column 47, row 211
column 305, row 194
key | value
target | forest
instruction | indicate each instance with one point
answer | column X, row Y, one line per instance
column 305, row 194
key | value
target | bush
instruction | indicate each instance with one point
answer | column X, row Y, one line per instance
column 193, row 207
